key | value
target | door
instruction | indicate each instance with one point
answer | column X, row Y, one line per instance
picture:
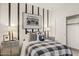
column 72, row 28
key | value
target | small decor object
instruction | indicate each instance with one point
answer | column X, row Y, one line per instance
column 33, row 36
column 31, row 21
column 5, row 37
column 40, row 36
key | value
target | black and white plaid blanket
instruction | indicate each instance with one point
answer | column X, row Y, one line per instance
column 47, row 48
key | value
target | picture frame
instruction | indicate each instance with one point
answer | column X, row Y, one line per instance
column 31, row 21
column 5, row 37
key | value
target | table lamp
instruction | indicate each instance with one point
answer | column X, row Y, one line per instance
column 47, row 29
column 11, row 30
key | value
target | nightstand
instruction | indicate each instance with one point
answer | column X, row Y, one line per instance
column 0, row 50
column 10, row 48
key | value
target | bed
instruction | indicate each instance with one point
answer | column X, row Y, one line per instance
column 45, row 48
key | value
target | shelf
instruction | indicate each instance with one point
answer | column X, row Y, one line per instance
column 72, row 23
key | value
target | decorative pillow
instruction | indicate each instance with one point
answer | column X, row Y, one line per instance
column 37, row 36
column 33, row 37
column 40, row 36
column 52, row 38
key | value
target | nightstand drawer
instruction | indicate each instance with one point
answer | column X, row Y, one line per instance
column 15, row 51
column 6, row 44
column 5, row 51
column 10, row 48
column 14, row 43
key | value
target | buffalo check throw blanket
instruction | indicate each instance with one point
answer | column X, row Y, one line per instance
column 47, row 48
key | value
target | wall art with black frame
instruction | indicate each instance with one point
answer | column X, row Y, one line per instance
column 31, row 21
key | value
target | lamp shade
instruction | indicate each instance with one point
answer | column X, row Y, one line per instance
column 47, row 28
column 11, row 28
column 12, row 32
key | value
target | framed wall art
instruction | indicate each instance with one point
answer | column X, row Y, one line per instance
column 6, row 38
column 31, row 21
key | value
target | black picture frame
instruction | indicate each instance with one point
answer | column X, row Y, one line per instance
column 31, row 21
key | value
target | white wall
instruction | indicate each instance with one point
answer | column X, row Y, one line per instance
column 4, row 18
column 60, row 17
column 29, row 10
column 58, row 13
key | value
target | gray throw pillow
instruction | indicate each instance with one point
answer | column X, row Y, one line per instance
column 33, row 37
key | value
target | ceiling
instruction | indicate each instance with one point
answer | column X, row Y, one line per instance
column 57, row 5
